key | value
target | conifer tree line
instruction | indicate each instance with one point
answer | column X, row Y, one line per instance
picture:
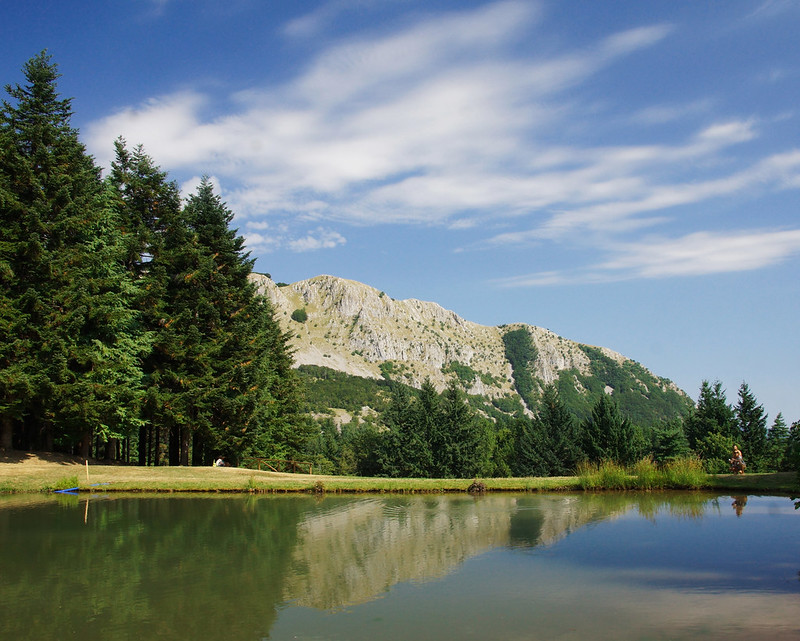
column 422, row 433
column 129, row 325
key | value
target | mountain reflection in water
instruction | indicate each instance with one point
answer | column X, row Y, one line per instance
column 410, row 566
column 350, row 552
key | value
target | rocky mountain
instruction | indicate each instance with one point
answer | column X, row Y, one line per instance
column 356, row 329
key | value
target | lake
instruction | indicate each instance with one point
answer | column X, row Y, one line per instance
column 424, row 567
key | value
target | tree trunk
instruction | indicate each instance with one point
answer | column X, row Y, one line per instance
column 198, row 448
column 7, row 433
column 157, row 447
column 174, row 446
column 143, row 445
column 86, row 442
column 111, row 449
column 184, row 446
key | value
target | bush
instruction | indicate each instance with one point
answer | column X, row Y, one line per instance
column 648, row 476
column 300, row 315
column 685, row 473
column 603, row 476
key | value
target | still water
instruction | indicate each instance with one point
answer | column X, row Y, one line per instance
column 561, row 566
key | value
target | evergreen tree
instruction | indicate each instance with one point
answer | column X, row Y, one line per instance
column 669, row 443
column 404, row 450
column 147, row 204
column 533, row 454
column 792, row 457
column 607, row 435
column 468, row 441
column 777, row 444
column 712, row 415
column 62, row 277
column 225, row 379
column 752, row 427
column 561, row 431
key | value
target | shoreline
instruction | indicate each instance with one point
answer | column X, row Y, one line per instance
column 29, row 472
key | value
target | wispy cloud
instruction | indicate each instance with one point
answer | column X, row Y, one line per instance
column 449, row 120
column 696, row 254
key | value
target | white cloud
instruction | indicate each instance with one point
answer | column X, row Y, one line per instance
column 442, row 121
column 699, row 253
column 704, row 253
column 320, row 238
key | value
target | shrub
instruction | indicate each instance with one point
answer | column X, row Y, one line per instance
column 299, row 315
column 603, row 476
column 648, row 476
column 685, row 473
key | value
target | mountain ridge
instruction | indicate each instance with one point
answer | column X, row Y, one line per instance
column 357, row 329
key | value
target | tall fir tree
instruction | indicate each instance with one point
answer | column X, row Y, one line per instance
column 253, row 400
column 608, row 435
column 61, row 275
column 533, row 456
column 712, row 415
column 777, row 444
column 561, row 430
column 468, row 442
column 752, row 429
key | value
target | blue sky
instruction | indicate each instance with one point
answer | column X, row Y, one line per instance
column 624, row 173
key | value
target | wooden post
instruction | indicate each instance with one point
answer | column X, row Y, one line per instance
column 87, row 469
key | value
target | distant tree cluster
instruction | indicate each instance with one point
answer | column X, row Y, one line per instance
column 422, row 433
column 129, row 326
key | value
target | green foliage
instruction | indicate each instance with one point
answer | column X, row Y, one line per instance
column 792, row 456
column 777, row 445
column 66, row 483
column 670, row 443
column 521, row 353
column 607, row 435
column 715, row 450
column 109, row 289
column 70, row 363
column 684, row 473
column 712, row 415
column 326, row 388
column 751, row 422
column 549, row 444
column 508, row 405
column 299, row 315
column 431, row 435
column 640, row 396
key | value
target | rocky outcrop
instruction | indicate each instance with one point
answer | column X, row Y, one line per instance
column 357, row 329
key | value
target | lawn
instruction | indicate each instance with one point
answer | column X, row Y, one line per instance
column 43, row 472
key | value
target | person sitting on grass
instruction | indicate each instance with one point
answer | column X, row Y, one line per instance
column 737, row 461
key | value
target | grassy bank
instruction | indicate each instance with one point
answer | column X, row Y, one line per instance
column 25, row 472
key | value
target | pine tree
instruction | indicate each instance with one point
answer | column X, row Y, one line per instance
column 607, row 435
column 670, row 443
column 61, row 268
column 404, row 451
column 147, row 204
column 752, row 426
column 712, row 415
column 561, row 430
column 777, row 443
column 468, row 438
column 533, row 456
column 224, row 371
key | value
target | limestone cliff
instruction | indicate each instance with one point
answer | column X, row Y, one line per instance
column 359, row 330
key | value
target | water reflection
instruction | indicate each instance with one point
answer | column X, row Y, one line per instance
column 113, row 567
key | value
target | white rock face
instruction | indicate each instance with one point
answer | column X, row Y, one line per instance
column 354, row 328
